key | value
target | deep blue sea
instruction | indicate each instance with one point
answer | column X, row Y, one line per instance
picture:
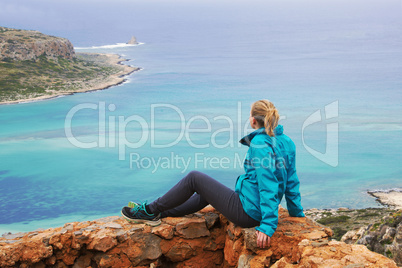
column 332, row 68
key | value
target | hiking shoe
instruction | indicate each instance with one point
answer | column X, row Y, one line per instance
column 138, row 214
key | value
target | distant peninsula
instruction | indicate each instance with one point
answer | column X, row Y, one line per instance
column 36, row 66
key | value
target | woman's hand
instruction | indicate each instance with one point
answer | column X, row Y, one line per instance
column 263, row 240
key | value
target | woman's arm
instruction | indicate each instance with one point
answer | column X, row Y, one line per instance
column 292, row 192
column 268, row 186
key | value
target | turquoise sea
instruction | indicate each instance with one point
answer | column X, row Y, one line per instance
column 332, row 68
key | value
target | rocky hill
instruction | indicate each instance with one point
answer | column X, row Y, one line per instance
column 35, row 66
column 30, row 45
column 204, row 239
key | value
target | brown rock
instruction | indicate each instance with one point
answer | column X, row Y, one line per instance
column 336, row 254
column 60, row 240
column 211, row 219
column 250, row 240
column 103, row 241
column 207, row 209
column 244, row 261
column 165, row 231
column 234, row 231
column 262, row 260
column 174, row 221
column 180, row 251
column 143, row 247
column 39, row 265
column 67, row 255
column 83, row 261
column 34, row 252
column 232, row 250
column 105, row 260
column 138, row 248
column 216, row 240
column 60, row 264
column 113, row 242
column 192, row 228
column 203, row 259
column 51, row 260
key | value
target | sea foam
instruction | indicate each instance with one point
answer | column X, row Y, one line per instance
column 399, row 190
column 118, row 45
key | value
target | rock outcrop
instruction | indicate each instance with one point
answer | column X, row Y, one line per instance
column 132, row 41
column 384, row 237
column 204, row 239
column 342, row 220
column 30, row 45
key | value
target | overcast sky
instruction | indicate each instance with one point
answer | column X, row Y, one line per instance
column 60, row 17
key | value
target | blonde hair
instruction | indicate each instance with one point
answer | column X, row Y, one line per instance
column 266, row 115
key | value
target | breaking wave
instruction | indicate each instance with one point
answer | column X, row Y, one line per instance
column 386, row 191
column 118, row 45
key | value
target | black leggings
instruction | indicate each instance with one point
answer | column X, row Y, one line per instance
column 195, row 191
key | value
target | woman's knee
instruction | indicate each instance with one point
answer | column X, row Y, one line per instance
column 195, row 177
column 195, row 174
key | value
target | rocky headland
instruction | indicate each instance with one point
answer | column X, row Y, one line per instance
column 36, row 66
column 204, row 239
column 391, row 198
column 18, row 44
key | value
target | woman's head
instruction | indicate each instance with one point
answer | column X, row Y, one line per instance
column 265, row 115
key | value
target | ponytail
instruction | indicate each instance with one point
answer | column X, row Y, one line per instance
column 266, row 115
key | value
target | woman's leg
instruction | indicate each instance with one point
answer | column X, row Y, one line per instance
column 225, row 200
column 193, row 204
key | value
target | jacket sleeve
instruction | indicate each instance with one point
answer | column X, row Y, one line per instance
column 292, row 192
column 264, row 165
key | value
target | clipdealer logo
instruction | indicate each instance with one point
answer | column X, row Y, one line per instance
column 114, row 131
column 113, row 134
column 331, row 154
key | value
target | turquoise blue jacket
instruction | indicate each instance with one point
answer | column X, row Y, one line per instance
column 270, row 167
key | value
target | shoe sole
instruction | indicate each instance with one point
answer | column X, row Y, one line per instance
column 150, row 223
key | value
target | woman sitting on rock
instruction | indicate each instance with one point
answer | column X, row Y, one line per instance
column 270, row 173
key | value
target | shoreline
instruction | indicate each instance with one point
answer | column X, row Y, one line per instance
column 116, row 79
column 389, row 198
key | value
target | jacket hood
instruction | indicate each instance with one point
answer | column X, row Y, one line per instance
column 279, row 130
column 246, row 140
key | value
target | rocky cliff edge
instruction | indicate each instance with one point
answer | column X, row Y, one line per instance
column 204, row 239
column 18, row 44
